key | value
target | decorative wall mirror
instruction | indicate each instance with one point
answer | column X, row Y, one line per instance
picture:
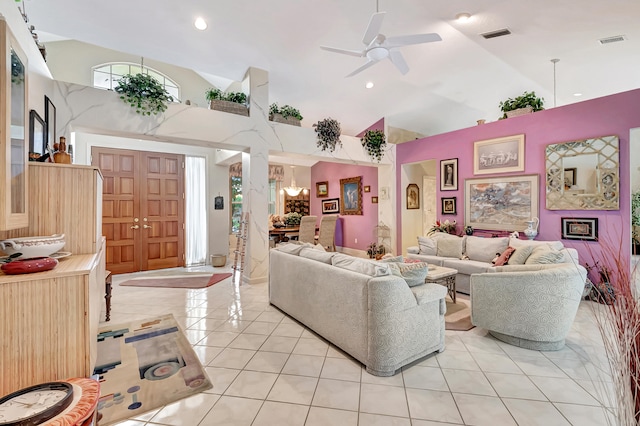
column 584, row 174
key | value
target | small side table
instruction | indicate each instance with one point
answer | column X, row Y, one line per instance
column 443, row 276
column 107, row 294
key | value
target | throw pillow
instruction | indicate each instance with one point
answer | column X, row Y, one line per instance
column 293, row 248
column 428, row 246
column 363, row 266
column 450, row 247
column 413, row 273
column 516, row 243
column 484, row 249
column 391, row 258
column 320, row 256
column 520, row 255
column 504, row 257
column 543, row 254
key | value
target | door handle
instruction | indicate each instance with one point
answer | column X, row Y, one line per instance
column 135, row 226
column 145, row 226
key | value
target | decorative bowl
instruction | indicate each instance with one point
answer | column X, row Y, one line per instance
column 28, row 266
column 31, row 247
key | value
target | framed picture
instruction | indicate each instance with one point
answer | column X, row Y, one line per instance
column 449, row 175
column 413, row 196
column 384, row 193
column 501, row 203
column 322, row 189
column 569, row 177
column 36, row 133
column 501, row 155
column 351, row 196
column 374, row 200
column 448, row 205
column 50, row 122
column 585, row 229
column 367, row 188
column 218, row 202
column 331, row 205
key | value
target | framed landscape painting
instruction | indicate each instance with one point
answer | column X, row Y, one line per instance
column 501, row 203
column 322, row 189
column 351, row 196
column 501, row 155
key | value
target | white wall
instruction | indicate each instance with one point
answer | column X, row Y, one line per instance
column 634, row 160
column 412, row 219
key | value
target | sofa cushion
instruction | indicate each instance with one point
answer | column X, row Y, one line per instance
column 504, row 256
column 468, row 267
column 413, row 249
column 320, row 256
column 293, row 248
column 428, row 246
column 413, row 273
column 431, row 260
column 517, row 242
column 363, row 266
column 520, row 255
column 544, row 254
column 450, row 247
column 391, row 258
column 485, row 249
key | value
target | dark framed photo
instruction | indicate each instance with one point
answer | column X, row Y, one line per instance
column 322, row 189
column 351, row 196
column 36, row 133
column 218, row 202
column 413, row 196
column 50, row 122
column 331, row 205
column 374, row 200
column 585, row 229
column 449, row 175
column 448, row 205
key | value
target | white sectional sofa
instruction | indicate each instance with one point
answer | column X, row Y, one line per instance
column 473, row 255
column 358, row 305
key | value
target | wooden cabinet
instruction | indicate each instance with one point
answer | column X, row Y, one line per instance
column 14, row 132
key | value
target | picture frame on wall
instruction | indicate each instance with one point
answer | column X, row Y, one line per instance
column 384, row 193
column 449, row 175
column 584, row 229
column 448, row 205
column 50, row 122
column 413, row 196
column 331, row 205
column 374, row 200
column 501, row 203
column 218, row 203
column 367, row 188
column 322, row 189
column 500, row 155
column 36, row 133
column 351, row 196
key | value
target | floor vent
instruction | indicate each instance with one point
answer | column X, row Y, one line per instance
column 496, row 33
column 613, row 39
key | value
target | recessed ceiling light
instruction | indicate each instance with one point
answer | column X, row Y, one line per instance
column 463, row 17
column 577, row 94
column 369, row 85
column 200, row 23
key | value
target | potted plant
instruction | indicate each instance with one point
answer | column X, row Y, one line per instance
column 375, row 250
column 446, row 226
column 144, row 93
column 526, row 103
column 292, row 219
column 374, row 142
column 328, row 131
column 285, row 114
column 233, row 102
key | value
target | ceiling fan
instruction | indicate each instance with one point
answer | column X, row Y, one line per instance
column 379, row 47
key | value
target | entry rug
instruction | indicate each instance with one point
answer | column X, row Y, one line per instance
column 181, row 281
column 458, row 316
column 144, row 365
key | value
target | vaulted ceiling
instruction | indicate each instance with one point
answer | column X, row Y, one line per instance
column 450, row 84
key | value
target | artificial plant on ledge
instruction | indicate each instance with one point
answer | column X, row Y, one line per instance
column 328, row 131
column 374, row 142
column 144, row 93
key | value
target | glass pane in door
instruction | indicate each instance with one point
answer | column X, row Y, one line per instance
column 18, row 146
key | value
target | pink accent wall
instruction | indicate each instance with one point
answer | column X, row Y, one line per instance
column 350, row 227
column 609, row 115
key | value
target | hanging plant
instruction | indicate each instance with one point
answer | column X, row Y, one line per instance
column 328, row 131
column 143, row 93
column 374, row 142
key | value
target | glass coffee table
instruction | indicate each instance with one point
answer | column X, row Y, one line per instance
column 443, row 276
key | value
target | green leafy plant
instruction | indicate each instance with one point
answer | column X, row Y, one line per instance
column 144, row 93
column 292, row 219
column 214, row 94
column 522, row 101
column 328, row 131
column 285, row 111
column 374, row 142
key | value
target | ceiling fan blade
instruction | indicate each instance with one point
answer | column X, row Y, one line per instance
column 343, row 51
column 373, row 29
column 398, row 60
column 362, row 68
column 411, row 39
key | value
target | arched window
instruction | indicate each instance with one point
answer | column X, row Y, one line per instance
column 106, row 76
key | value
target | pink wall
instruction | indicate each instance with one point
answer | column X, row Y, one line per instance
column 350, row 227
column 610, row 115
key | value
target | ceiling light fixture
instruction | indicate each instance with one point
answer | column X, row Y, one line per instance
column 200, row 23
column 463, row 17
column 369, row 85
column 293, row 190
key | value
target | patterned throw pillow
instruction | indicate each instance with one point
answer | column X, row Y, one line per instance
column 450, row 247
column 428, row 246
column 413, row 273
column 363, row 266
column 544, row 255
column 391, row 258
column 504, row 257
column 520, row 255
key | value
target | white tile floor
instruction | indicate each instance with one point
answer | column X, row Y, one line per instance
column 267, row 369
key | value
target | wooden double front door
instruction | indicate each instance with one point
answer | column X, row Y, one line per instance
column 142, row 209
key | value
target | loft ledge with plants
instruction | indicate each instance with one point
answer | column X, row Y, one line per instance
column 232, row 102
column 144, row 93
column 526, row 103
column 284, row 114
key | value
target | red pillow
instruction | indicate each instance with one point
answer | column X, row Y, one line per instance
column 504, row 257
column 407, row 260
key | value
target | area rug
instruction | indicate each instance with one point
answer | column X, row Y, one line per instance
column 458, row 316
column 144, row 365
column 182, row 281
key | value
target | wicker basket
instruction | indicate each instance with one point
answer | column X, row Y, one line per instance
column 519, row 111
column 218, row 260
column 279, row 118
column 226, row 106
